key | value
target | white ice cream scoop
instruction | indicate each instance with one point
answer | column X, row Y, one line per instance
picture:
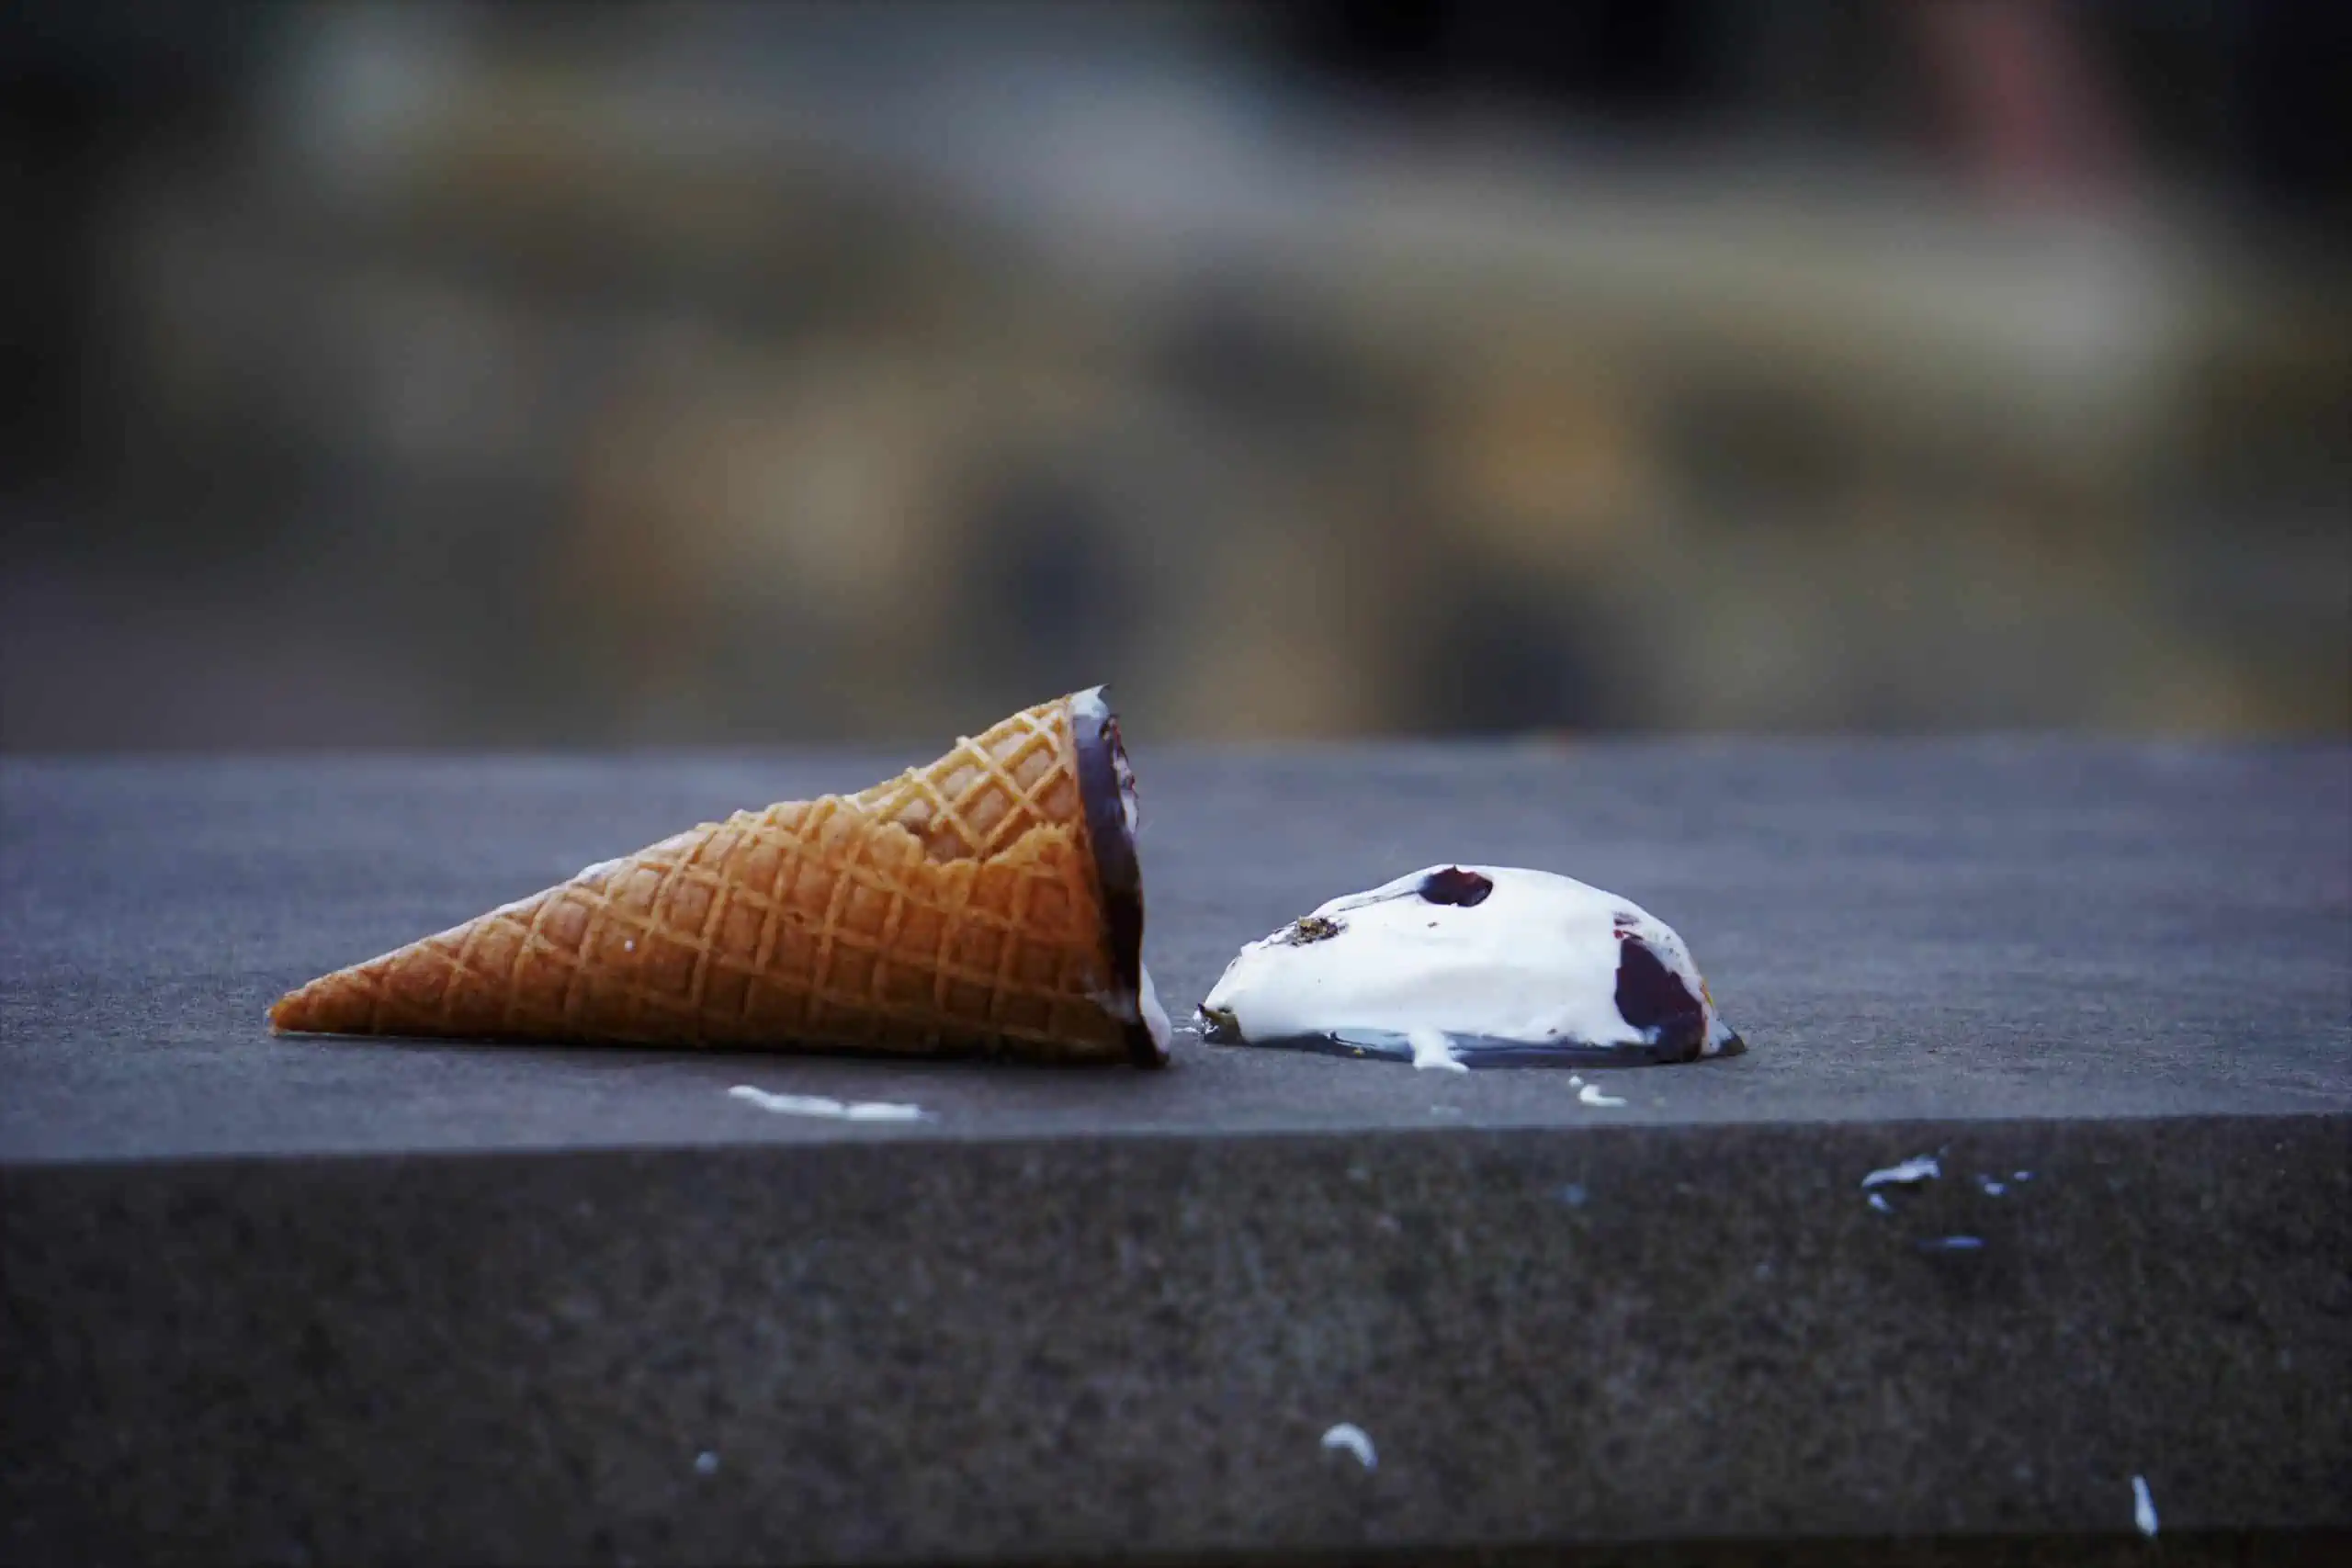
column 1480, row 966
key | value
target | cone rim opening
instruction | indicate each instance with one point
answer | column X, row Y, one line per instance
column 1104, row 781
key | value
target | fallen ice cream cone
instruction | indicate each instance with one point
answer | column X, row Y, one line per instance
column 989, row 903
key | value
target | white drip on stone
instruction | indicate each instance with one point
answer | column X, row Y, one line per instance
column 1349, row 1438
column 1433, row 1051
column 2144, row 1507
column 833, row 1110
column 1155, row 1017
column 1917, row 1168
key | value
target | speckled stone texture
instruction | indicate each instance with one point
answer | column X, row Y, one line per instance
column 271, row 1299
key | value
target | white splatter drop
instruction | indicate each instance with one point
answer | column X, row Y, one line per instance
column 1354, row 1440
column 836, row 1110
column 2144, row 1506
column 1878, row 1201
column 705, row 1463
column 1590, row 1095
column 1918, row 1168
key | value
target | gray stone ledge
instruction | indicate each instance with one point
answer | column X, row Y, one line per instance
column 288, row 1301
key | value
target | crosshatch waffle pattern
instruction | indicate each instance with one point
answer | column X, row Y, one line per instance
column 986, row 793
column 952, row 908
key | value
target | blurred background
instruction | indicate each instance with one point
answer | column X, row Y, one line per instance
column 463, row 375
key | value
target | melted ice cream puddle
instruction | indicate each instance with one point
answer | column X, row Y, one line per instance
column 1458, row 967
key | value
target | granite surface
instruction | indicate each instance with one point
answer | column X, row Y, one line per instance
column 298, row 1301
column 1903, row 929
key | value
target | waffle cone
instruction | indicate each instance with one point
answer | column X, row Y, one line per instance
column 985, row 903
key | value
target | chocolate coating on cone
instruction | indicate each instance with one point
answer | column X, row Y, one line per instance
column 1103, row 780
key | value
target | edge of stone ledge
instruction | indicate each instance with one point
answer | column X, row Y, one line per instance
column 817, row 1138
